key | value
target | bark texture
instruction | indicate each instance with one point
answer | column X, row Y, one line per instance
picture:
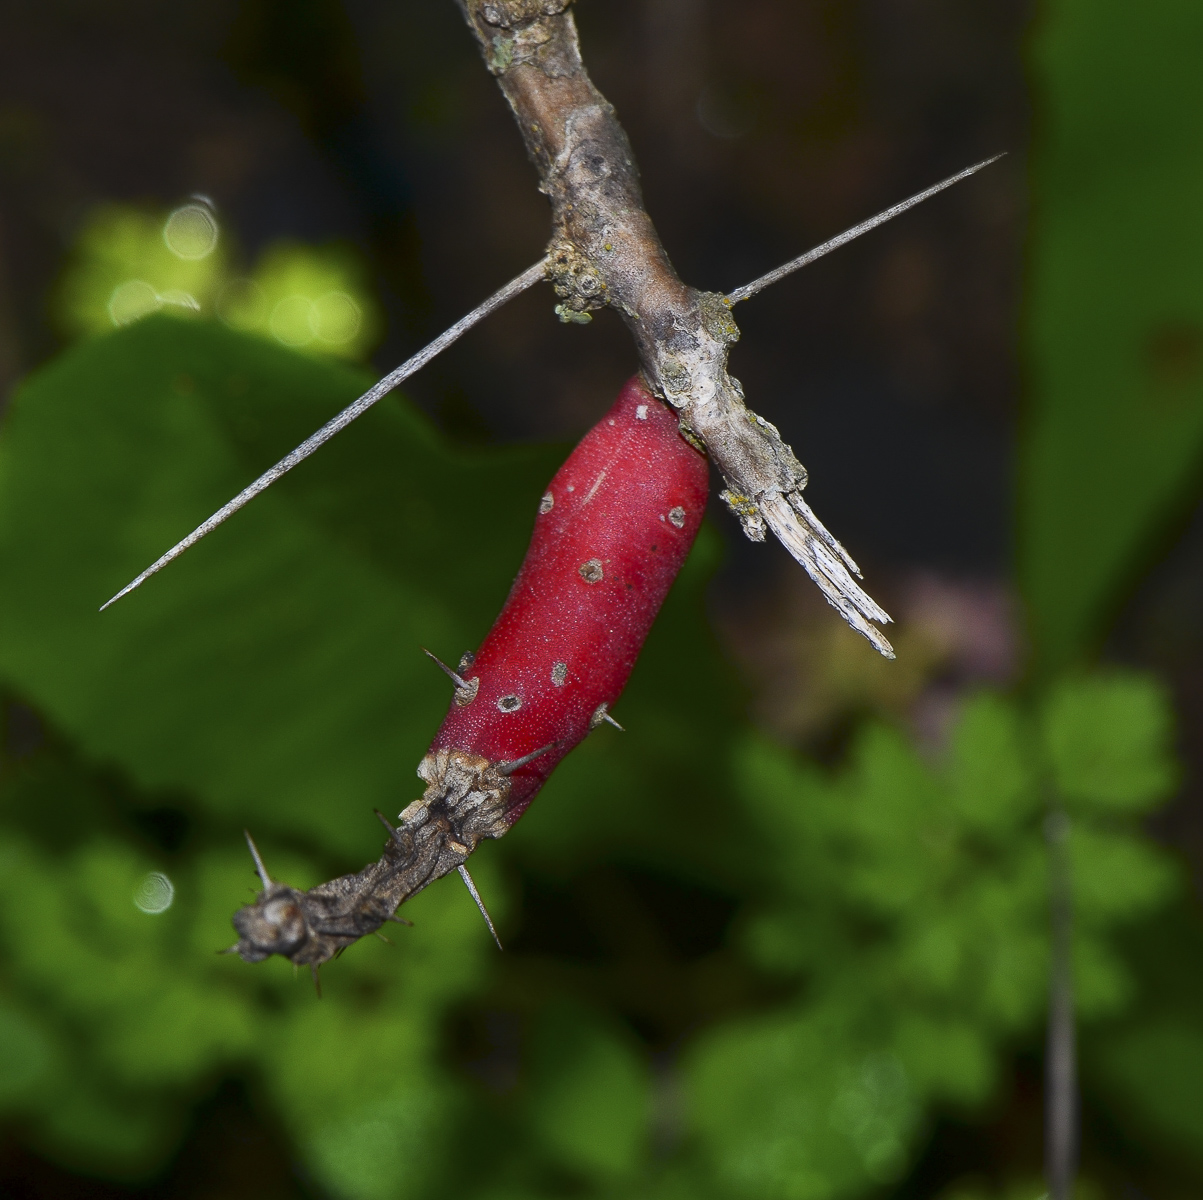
column 465, row 801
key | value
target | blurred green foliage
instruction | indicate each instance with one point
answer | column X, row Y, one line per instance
column 911, row 904
column 129, row 263
column 1114, row 341
column 889, row 944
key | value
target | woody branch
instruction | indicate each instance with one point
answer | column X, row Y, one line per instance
column 604, row 251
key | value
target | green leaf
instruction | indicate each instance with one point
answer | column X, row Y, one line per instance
column 1108, row 738
column 992, row 781
column 913, row 902
column 1115, row 312
column 1116, row 877
column 28, row 1056
column 590, row 1093
column 898, row 814
column 947, row 1056
column 801, row 1106
column 276, row 668
column 791, row 804
column 386, row 1149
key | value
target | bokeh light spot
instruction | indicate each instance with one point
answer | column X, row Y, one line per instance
column 191, row 232
column 155, row 893
column 180, row 299
column 335, row 318
column 132, row 300
column 292, row 321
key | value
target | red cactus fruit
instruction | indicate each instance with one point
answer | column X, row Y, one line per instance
column 613, row 530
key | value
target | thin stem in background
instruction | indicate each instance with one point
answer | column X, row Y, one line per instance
column 1061, row 1085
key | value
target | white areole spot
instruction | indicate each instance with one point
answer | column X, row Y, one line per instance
column 591, row 571
column 677, row 516
column 559, row 672
column 641, row 412
column 547, row 503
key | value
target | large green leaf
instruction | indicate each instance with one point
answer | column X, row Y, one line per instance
column 276, row 668
column 1115, row 312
